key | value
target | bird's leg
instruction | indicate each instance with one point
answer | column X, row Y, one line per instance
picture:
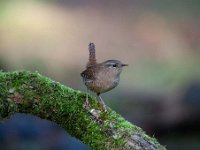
column 87, row 104
column 102, row 102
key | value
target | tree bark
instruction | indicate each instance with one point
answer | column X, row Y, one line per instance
column 32, row 93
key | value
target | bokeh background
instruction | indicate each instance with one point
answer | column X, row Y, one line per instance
column 160, row 40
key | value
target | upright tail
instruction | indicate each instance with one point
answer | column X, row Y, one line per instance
column 92, row 56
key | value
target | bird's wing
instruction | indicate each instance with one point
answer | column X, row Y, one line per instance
column 88, row 74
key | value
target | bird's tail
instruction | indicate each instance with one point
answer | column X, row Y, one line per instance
column 92, row 55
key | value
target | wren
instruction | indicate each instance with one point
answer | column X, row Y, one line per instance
column 101, row 77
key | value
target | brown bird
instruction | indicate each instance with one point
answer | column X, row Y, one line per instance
column 101, row 77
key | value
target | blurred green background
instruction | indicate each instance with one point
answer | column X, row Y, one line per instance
column 160, row 40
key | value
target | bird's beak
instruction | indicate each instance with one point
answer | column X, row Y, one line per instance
column 124, row 65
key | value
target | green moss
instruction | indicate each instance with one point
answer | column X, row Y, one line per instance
column 35, row 94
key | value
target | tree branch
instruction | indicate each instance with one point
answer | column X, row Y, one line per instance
column 32, row 93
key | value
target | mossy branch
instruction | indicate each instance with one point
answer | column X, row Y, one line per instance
column 32, row 93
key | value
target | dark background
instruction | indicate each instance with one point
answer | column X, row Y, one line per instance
column 160, row 40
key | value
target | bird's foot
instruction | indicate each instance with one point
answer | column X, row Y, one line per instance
column 104, row 107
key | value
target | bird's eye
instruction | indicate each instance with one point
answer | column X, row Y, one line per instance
column 114, row 65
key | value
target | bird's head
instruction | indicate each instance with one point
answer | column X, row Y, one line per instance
column 114, row 66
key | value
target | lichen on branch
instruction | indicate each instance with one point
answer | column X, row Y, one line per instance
column 32, row 93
